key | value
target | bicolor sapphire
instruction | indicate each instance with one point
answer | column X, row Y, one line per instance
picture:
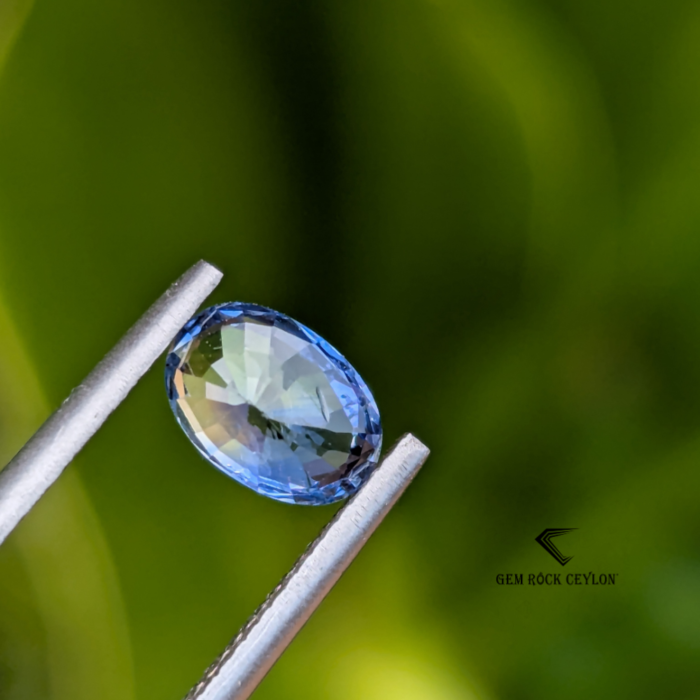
column 273, row 405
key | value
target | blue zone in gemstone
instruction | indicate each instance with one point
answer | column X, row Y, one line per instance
column 272, row 404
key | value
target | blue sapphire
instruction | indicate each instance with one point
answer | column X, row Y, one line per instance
column 273, row 405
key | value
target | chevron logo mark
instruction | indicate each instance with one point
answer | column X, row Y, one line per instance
column 545, row 539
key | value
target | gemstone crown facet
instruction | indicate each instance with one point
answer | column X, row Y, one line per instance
column 273, row 405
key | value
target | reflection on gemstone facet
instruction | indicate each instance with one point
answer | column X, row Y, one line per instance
column 273, row 405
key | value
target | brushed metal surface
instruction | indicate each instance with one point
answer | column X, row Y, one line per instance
column 42, row 459
column 246, row 660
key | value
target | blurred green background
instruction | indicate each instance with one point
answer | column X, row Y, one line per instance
column 491, row 207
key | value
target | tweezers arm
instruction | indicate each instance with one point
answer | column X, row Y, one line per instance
column 40, row 462
column 244, row 663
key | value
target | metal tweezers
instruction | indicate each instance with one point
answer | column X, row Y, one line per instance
column 246, row 660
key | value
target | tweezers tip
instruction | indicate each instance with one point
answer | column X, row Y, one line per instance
column 415, row 445
column 206, row 265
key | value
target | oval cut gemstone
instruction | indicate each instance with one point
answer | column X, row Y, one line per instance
column 273, row 405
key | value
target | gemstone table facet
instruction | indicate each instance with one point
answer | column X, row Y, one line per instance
column 273, row 405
